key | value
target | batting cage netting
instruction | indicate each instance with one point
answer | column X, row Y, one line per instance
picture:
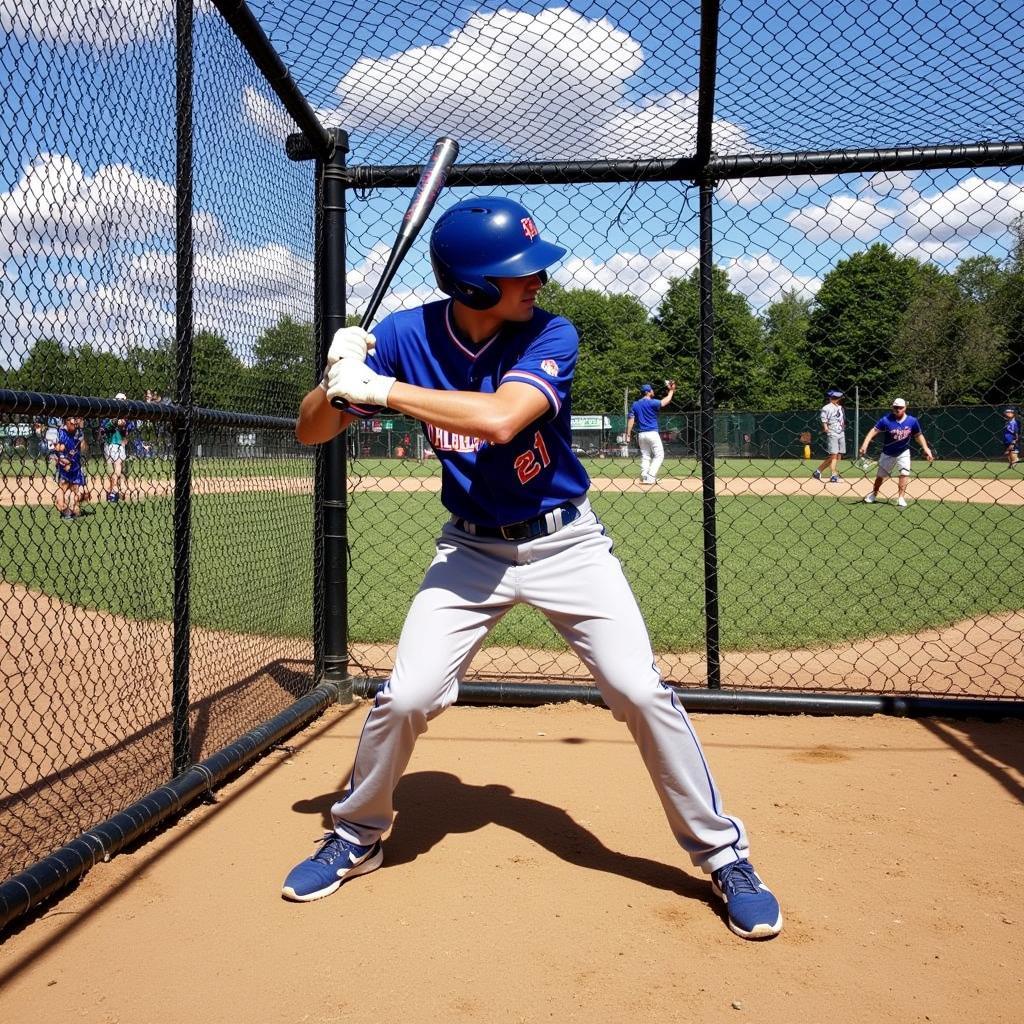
column 762, row 205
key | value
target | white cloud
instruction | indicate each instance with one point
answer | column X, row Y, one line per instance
column 842, row 218
column 644, row 277
column 957, row 216
column 506, row 70
column 103, row 24
column 57, row 209
column 749, row 192
column 266, row 114
column 763, row 279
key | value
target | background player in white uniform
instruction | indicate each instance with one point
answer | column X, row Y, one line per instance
column 644, row 414
column 489, row 376
column 833, row 425
column 898, row 427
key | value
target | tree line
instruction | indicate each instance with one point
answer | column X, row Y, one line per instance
column 883, row 322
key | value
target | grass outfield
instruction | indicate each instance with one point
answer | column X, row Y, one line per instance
column 612, row 468
column 794, row 571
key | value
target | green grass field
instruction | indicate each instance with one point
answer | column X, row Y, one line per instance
column 794, row 571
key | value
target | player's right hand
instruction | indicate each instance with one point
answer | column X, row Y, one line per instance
column 349, row 342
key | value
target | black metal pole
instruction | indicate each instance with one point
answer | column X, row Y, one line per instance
column 706, row 80
column 756, row 165
column 250, row 34
column 331, row 492
column 767, row 702
column 181, row 754
column 707, row 440
column 51, row 874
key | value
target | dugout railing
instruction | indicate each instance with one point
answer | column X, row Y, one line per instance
column 134, row 686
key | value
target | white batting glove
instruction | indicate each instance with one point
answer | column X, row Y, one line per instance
column 350, row 343
column 352, row 380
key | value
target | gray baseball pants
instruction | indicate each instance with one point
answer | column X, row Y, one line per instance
column 575, row 580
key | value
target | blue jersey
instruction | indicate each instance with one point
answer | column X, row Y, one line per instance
column 645, row 412
column 69, row 457
column 897, row 432
column 1011, row 431
column 491, row 484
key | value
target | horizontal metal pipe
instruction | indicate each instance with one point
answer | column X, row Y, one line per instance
column 250, row 34
column 854, row 161
column 33, row 885
column 32, row 403
column 775, row 702
column 688, row 168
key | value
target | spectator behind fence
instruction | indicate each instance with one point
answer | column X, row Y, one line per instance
column 72, row 488
column 833, row 426
column 1011, row 437
column 115, row 450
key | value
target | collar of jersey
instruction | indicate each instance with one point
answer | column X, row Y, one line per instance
column 471, row 353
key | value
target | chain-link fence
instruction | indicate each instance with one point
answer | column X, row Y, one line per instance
column 760, row 203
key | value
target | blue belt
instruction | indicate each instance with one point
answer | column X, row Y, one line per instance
column 528, row 529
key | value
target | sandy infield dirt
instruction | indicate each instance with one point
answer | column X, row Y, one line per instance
column 530, row 877
column 1004, row 491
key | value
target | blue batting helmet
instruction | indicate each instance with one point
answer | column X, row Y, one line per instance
column 480, row 239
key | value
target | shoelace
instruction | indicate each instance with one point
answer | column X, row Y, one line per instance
column 333, row 847
column 738, row 878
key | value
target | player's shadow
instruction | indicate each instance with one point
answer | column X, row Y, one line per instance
column 431, row 805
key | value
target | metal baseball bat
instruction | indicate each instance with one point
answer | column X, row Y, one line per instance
column 435, row 173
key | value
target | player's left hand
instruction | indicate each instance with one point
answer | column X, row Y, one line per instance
column 350, row 343
column 930, row 456
column 352, row 380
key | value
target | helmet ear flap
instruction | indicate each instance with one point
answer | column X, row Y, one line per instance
column 481, row 294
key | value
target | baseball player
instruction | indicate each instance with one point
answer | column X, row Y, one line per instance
column 71, row 484
column 833, row 426
column 898, row 427
column 489, row 374
column 115, row 434
column 644, row 415
column 1011, row 437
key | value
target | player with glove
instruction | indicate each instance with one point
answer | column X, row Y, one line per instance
column 488, row 373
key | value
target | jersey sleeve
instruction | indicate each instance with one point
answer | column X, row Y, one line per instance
column 384, row 360
column 549, row 363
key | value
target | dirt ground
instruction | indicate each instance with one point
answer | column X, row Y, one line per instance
column 530, row 877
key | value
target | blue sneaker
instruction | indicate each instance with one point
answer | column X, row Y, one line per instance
column 816, row 474
column 335, row 861
column 833, row 479
column 752, row 907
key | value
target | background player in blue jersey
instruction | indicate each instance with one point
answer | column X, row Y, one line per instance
column 644, row 415
column 71, row 484
column 489, row 374
column 1011, row 437
column 898, row 427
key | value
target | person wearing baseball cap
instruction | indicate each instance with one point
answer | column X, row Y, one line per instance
column 898, row 428
column 115, row 435
column 1011, row 437
column 488, row 373
column 833, row 426
column 644, row 415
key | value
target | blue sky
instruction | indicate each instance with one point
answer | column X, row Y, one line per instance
column 87, row 173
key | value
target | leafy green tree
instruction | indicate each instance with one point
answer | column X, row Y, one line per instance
column 219, row 376
column 741, row 359
column 857, row 321
column 619, row 346
column 792, row 380
column 949, row 345
column 1008, row 302
column 45, row 368
column 283, row 369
